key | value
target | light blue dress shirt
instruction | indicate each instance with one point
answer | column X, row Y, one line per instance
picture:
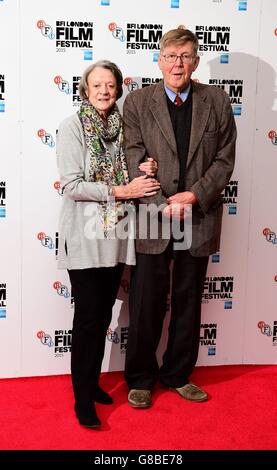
column 172, row 95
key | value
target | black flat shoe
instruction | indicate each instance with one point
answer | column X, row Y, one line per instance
column 87, row 416
column 103, row 397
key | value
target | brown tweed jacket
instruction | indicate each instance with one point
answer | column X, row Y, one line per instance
column 211, row 156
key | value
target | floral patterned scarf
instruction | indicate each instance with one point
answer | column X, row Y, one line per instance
column 104, row 168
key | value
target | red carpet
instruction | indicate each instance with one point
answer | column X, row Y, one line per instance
column 37, row 413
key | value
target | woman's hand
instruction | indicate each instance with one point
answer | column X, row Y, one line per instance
column 150, row 167
column 142, row 186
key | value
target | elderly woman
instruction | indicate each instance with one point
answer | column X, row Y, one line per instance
column 95, row 184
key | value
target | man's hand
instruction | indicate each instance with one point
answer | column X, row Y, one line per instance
column 150, row 167
column 179, row 206
column 187, row 197
column 177, row 211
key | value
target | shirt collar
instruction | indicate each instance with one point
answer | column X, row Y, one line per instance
column 172, row 95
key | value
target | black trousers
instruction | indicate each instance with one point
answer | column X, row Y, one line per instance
column 94, row 292
column 149, row 288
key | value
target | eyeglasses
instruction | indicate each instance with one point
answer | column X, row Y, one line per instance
column 171, row 58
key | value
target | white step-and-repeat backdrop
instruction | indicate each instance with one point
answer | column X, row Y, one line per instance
column 44, row 48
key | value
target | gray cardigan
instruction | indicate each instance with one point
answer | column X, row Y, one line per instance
column 79, row 246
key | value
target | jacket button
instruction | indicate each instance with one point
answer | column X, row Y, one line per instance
column 175, row 181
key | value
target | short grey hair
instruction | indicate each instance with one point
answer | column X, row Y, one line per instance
column 105, row 64
column 179, row 36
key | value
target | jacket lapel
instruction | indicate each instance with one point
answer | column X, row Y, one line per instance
column 200, row 115
column 158, row 108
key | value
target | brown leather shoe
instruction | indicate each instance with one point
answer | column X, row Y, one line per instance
column 139, row 398
column 192, row 392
